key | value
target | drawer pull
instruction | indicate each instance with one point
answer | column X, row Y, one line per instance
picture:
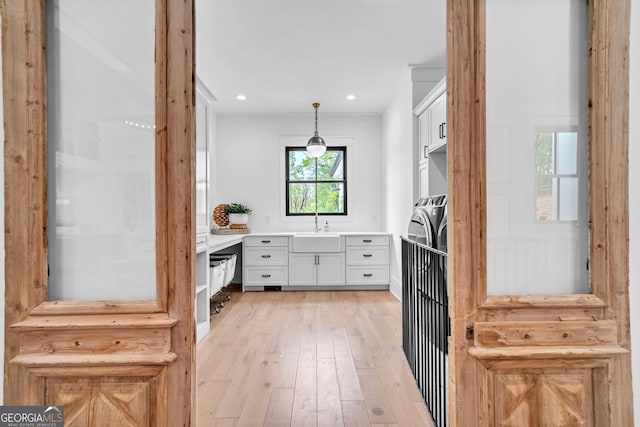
column 266, row 256
column 368, row 275
column 266, row 241
column 266, row 276
column 366, row 240
column 367, row 255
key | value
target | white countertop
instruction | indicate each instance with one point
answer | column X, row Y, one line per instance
column 217, row 242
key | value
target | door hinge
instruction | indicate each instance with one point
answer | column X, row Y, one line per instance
column 469, row 332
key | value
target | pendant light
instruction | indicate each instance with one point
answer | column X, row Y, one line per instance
column 316, row 146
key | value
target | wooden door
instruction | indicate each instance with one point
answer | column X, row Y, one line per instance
column 125, row 363
column 539, row 360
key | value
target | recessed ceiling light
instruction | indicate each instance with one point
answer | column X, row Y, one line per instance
column 351, row 97
column 241, row 97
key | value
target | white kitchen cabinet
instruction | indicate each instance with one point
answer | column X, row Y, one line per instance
column 423, row 179
column 204, row 131
column 431, row 114
column 367, row 260
column 302, row 269
column 424, row 134
column 438, row 121
column 330, row 269
column 202, row 296
column 265, row 262
column 204, row 100
column 317, row 269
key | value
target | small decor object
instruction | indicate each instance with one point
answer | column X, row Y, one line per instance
column 238, row 215
column 220, row 216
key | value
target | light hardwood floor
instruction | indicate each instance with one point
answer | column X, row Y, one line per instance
column 307, row 359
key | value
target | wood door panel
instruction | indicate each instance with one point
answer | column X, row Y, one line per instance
column 92, row 406
column 117, row 401
column 543, row 398
column 136, row 341
column 558, row 333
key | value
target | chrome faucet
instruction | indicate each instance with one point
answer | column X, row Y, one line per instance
column 317, row 228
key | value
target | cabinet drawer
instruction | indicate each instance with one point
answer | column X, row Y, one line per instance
column 375, row 255
column 372, row 275
column 367, row 240
column 265, row 276
column 266, row 255
column 201, row 241
column 266, row 241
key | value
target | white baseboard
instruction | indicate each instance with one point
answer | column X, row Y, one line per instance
column 396, row 288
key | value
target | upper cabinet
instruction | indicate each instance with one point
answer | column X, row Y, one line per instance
column 431, row 114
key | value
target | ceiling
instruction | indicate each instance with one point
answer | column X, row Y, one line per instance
column 286, row 54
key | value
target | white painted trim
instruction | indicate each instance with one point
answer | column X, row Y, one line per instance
column 399, row 286
column 438, row 90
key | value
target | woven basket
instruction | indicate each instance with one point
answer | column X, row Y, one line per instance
column 220, row 217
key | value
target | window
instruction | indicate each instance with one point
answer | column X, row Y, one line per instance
column 557, row 189
column 316, row 183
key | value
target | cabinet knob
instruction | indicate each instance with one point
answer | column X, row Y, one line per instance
column 367, row 255
column 266, row 276
column 368, row 275
column 366, row 240
column 266, row 256
column 266, row 241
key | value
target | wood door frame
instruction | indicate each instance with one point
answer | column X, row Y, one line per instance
column 608, row 182
column 167, row 365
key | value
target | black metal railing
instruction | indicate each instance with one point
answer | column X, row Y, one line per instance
column 425, row 323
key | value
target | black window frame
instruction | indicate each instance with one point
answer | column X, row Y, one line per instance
column 554, row 174
column 289, row 181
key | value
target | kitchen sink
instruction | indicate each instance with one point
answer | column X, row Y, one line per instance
column 316, row 242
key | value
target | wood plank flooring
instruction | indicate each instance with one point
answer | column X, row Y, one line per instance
column 307, row 359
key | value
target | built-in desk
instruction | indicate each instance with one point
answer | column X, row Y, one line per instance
column 217, row 242
column 205, row 246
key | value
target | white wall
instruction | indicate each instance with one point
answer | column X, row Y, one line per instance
column 634, row 201
column 398, row 152
column 249, row 167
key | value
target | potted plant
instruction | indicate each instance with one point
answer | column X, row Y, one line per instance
column 238, row 213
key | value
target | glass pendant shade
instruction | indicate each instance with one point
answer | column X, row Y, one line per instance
column 316, row 146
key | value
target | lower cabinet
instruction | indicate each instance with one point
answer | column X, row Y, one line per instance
column 269, row 262
column 367, row 260
column 265, row 262
column 321, row 269
column 201, row 302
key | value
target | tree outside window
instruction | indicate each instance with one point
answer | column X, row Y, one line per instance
column 316, row 182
